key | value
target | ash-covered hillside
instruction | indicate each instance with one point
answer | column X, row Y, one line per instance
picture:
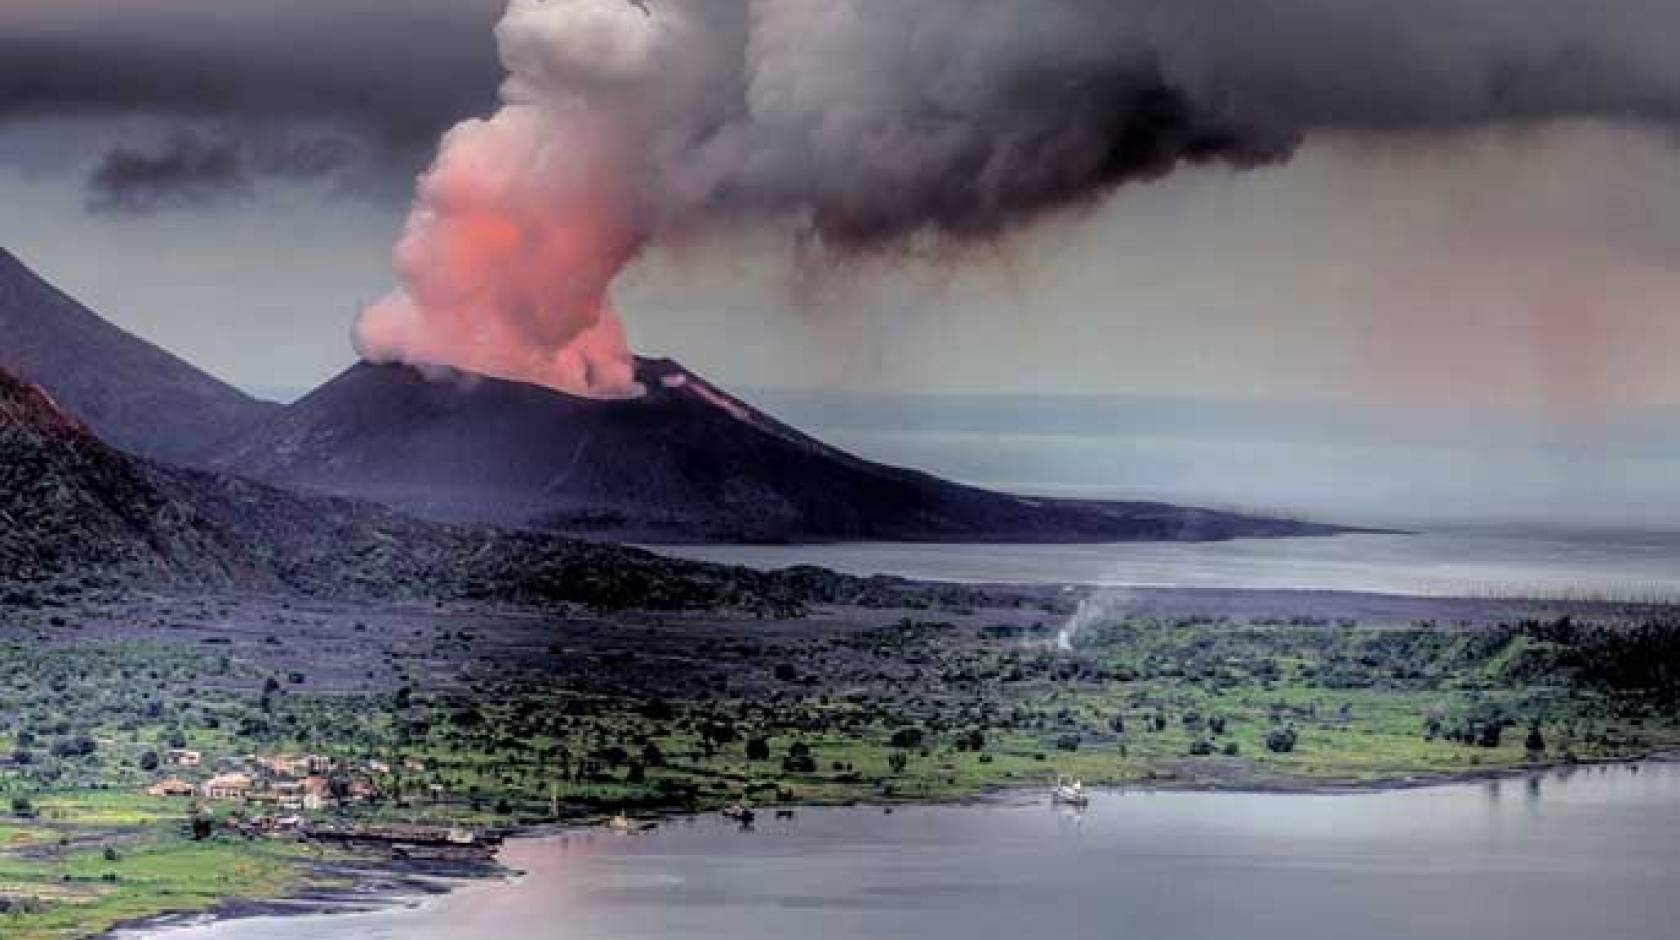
column 133, row 394
column 73, row 509
column 686, row 462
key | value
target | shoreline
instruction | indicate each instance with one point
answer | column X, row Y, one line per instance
column 373, row 885
column 377, row 885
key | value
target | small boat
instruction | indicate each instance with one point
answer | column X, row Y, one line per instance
column 740, row 814
column 623, row 823
column 1069, row 792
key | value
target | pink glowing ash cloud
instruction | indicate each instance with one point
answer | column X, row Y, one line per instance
column 524, row 220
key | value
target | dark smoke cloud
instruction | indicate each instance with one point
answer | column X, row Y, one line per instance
column 963, row 120
column 881, row 120
column 388, row 76
column 189, row 171
column 195, row 169
column 1053, row 142
column 401, row 71
column 967, row 112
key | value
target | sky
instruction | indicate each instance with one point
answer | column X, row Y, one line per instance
column 1466, row 213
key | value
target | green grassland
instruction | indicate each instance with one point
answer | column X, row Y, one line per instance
column 77, row 892
column 651, row 718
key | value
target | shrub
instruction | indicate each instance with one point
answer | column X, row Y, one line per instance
column 907, row 738
column 1280, row 740
column 77, row 746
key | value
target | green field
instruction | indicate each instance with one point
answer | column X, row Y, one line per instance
column 651, row 717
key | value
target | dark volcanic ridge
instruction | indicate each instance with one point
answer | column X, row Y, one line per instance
column 687, row 462
column 75, row 511
column 133, row 394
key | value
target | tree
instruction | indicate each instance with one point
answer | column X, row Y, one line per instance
column 758, row 749
column 149, row 761
column 1280, row 740
column 1487, row 733
column 799, row 759
column 907, row 737
column 1535, row 743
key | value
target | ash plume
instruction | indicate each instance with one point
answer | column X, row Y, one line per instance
column 622, row 124
column 870, row 127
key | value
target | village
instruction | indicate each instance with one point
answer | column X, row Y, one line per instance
column 307, row 782
column 300, row 796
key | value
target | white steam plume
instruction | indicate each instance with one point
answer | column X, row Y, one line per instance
column 1106, row 604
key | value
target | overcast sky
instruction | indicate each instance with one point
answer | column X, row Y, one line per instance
column 1484, row 217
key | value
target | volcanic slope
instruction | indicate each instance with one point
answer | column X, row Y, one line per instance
column 131, row 393
column 686, row 462
column 74, row 510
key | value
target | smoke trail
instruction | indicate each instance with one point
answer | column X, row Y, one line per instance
column 1106, row 604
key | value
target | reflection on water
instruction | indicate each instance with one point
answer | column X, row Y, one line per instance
column 1540, row 564
column 1594, row 853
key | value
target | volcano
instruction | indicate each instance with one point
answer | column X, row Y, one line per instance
column 687, row 462
column 131, row 393
column 75, row 511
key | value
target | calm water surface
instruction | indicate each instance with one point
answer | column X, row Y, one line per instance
column 1544, row 564
column 1581, row 856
